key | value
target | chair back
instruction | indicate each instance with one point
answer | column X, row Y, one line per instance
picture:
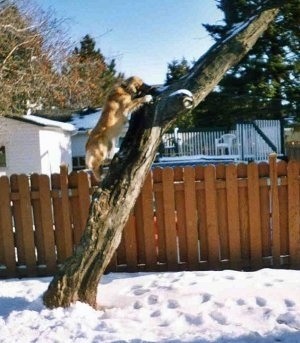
column 228, row 138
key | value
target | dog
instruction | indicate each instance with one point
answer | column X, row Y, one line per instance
column 123, row 100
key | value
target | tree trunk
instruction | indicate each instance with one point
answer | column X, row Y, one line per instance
column 112, row 202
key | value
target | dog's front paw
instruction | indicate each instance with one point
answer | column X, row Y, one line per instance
column 148, row 98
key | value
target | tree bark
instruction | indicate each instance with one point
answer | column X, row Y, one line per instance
column 112, row 202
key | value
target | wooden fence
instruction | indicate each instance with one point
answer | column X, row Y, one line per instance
column 242, row 216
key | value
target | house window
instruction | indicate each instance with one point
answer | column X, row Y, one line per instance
column 2, row 156
column 78, row 162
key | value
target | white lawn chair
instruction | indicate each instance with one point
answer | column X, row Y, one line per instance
column 225, row 142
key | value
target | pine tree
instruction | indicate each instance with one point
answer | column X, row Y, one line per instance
column 266, row 82
column 177, row 69
column 89, row 76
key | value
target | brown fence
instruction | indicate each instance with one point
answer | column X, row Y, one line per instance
column 214, row 217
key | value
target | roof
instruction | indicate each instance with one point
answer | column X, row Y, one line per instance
column 84, row 121
column 39, row 121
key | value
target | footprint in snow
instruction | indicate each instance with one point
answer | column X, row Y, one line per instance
column 290, row 319
column 289, row 303
column 172, row 303
column 218, row 317
column 261, row 302
column 241, row 302
column 137, row 305
column 193, row 319
column 152, row 299
column 205, row 297
column 140, row 291
column 156, row 314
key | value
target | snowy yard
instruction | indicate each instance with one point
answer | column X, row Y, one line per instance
column 223, row 306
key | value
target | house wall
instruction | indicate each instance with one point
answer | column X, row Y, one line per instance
column 55, row 150
column 31, row 148
column 21, row 143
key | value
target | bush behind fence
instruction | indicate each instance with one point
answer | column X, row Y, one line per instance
column 243, row 216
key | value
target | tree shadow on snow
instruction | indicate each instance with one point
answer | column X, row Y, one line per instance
column 18, row 304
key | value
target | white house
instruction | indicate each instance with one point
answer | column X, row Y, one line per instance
column 31, row 144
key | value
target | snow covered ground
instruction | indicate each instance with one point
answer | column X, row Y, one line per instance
column 223, row 306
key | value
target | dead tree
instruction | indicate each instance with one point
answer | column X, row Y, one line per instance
column 112, row 202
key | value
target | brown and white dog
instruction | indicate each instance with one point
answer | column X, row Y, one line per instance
column 123, row 100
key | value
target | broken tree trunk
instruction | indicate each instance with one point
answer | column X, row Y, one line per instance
column 78, row 278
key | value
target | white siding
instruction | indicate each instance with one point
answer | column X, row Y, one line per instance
column 21, row 143
column 55, row 150
column 32, row 148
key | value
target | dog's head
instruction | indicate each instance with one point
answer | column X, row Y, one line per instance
column 136, row 86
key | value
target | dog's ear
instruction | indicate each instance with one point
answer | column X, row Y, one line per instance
column 129, row 85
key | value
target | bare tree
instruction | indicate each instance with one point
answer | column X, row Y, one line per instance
column 112, row 202
column 33, row 48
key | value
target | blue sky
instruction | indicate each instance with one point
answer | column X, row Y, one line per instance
column 142, row 35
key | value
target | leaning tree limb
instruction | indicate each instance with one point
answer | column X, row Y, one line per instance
column 78, row 278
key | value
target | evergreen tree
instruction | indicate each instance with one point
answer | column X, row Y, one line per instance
column 266, row 82
column 177, row 69
column 89, row 76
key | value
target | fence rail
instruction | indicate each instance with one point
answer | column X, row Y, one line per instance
column 243, row 216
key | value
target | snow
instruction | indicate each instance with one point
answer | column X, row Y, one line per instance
column 49, row 122
column 85, row 121
column 182, row 91
column 202, row 306
column 197, row 158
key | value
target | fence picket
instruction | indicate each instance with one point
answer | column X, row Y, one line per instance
column 159, row 214
column 293, row 210
column 201, row 208
column 43, row 222
column 243, row 213
column 254, row 216
column 78, row 183
column 275, row 211
column 169, row 218
column 191, row 218
column 283, row 209
column 23, row 224
column 180, row 215
column 148, row 224
column 62, row 215
column 7, row 247
column 212, row 217
column 234, row 235
column 265, row 185
column 222, row 212
column 131, row 244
